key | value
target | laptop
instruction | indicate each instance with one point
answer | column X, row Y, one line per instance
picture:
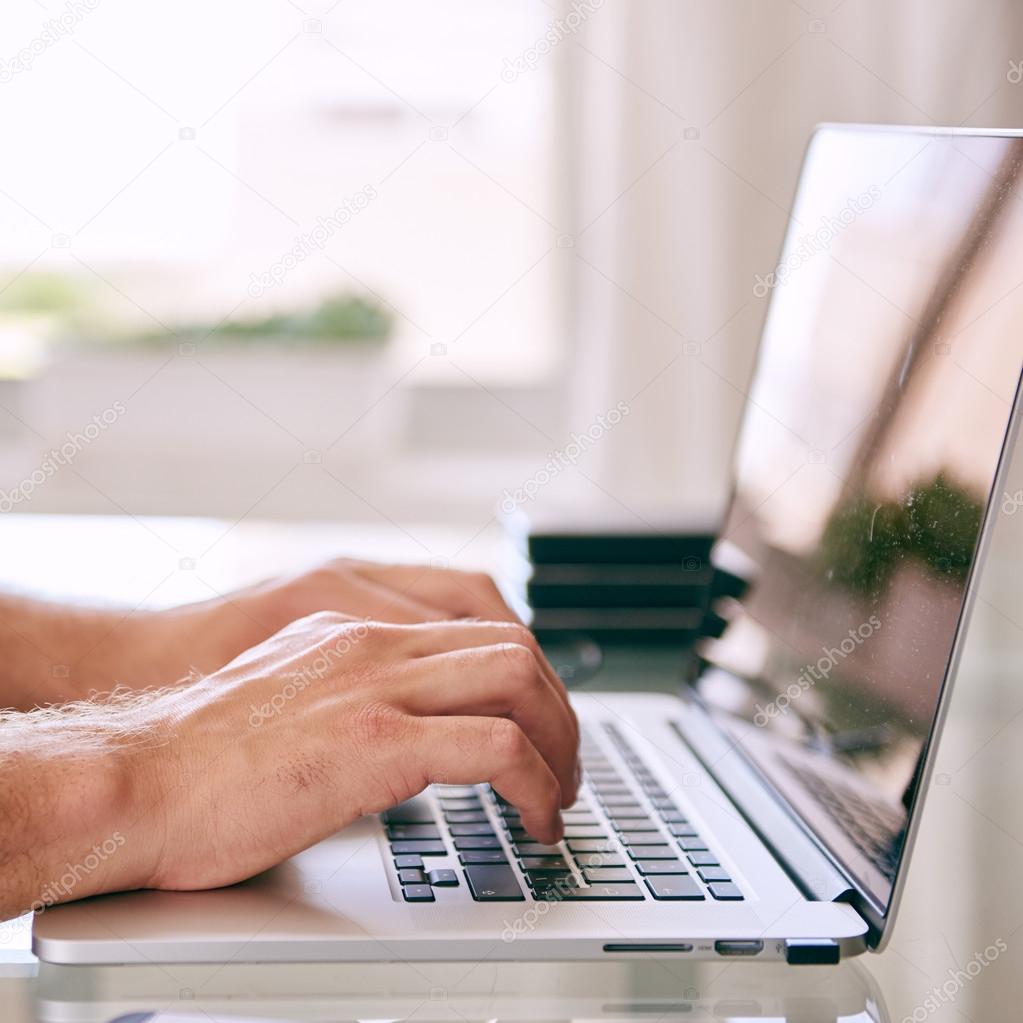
column 766, row 808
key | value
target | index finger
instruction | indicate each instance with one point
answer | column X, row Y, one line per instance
column 470, row 750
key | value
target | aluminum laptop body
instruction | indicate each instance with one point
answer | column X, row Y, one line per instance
column 768, row 810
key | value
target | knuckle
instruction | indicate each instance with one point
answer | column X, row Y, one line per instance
column 376, row 723
column 518, row 633
column 325, row 620
column 520, row 661
column 481, row 582
column 378, row 633
column 508, row 741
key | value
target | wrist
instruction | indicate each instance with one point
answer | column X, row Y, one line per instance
column 83, row 824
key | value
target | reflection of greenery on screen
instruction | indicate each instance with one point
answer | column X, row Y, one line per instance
column 937, row 524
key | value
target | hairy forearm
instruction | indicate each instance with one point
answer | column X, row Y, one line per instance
column 48, row 651
column 54, row 653
column 72, row 801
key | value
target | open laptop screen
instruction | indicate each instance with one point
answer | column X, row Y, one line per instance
column 887, row 375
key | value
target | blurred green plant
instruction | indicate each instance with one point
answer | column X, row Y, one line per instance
column 343, row 317
column 937, row 524
column 47, row 294
column 72, row 312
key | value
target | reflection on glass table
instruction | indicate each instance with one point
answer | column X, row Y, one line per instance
column 648, row 991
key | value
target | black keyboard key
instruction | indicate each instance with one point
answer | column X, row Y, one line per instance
column 727, row 891
column 604, row 875
column 417, row 893
column 628, row 810
column 598, row 860
column 641, row 838
column 403, row 832
column 413, row 811
column 713, row 874
column 682, row 829
column 408, row 862
column 702, row 859
column 466, row 817
column 411, row 876
column 544, row 865
column 581, row 816
column 680, row 887
column 652, row 852
column 605, row 893
column 553, row 887
column 589, row 845
column 449, row 805
column 477, row 842
column 494, row 884
column 459, row 830
column 634, row 824
column 692, row 844
column 541, row 878
column 474, row 856
column 443, row 878
column 622, row 799
column 662, row 867
column 418, row 848
column 537, row 849
column 574, row 831
column 518, row 835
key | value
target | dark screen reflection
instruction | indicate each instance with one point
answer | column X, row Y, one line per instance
column 888, row 369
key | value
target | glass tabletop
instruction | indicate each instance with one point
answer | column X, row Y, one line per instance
column 651, row 991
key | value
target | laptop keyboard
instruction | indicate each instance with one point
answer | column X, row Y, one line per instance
column 626, row 839
column 872, row 827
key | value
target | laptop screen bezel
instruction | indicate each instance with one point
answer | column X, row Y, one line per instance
column 880, row 917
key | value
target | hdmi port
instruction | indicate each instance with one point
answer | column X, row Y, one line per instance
column 738, row 948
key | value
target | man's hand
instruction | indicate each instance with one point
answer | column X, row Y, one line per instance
column 53, row 653
column 327, row 720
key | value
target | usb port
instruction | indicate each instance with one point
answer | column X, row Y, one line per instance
column 738, row 948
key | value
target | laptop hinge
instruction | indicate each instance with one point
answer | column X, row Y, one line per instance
column 810, row 869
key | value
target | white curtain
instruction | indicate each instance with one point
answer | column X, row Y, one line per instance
column 687, row 122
